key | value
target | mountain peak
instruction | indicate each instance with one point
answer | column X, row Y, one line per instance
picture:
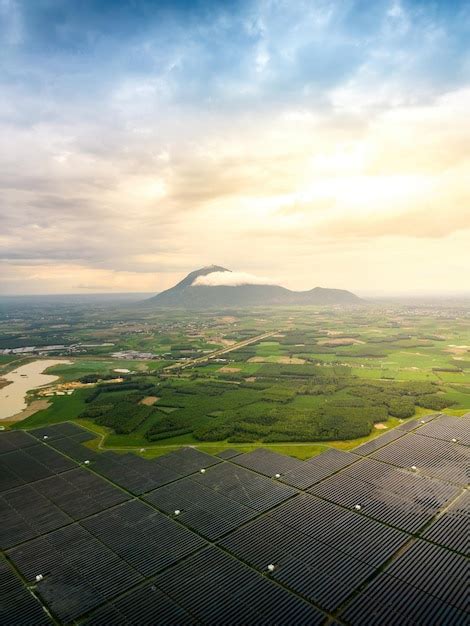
column 242, row 290
column 203, row 271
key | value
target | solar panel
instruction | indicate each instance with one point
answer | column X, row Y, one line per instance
column 25, row 467
column 79, row 572
column 133, row 473
column 267, row 462
column 145, row 605
column 17, row 603
column 441, row 459
column 218, row 589
column 245, row 487
column 416, row 423
column 318, row 468
column 355, row 535
column 15, row 440
column 389, row 601
column 230, row 453
column 73, row 448
column 377, row 443
column 187, row 461
column 393, row 496
column 449, row 579
column 208, row 512
column 318, row 572
column 80, row 493
column 282, row 556
column 452, row 528
column 146, row 539
column 8, row 479
column 26, row 514
column 64, row 429
column 51, row 459
column 447, row 428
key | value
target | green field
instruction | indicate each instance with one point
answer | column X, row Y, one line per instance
column 326, row 377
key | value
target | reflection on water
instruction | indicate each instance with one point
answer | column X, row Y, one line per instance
column 22, row 380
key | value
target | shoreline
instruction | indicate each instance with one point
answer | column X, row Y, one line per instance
column 19, row 403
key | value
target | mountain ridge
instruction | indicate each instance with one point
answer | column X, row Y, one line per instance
column 187, row 295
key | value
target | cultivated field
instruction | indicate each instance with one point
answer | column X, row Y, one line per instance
column 295, row 380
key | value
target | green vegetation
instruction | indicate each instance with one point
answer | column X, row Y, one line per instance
column 322, row 377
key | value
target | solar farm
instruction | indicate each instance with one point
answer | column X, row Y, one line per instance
column 376, row 536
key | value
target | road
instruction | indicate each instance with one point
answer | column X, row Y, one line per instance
column 216, row 353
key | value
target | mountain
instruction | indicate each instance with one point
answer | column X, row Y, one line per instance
column 186, row 295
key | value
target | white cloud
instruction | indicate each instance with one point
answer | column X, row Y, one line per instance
column 231, row 279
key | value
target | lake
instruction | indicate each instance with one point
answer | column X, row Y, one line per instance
column 22, row 380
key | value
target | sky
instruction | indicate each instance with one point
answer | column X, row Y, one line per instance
column 317, row 143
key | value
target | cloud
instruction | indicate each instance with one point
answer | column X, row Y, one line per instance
column 149, row 139
column 230, row 279
column 420, row 224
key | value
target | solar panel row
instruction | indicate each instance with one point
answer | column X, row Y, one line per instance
column 143, row 537
column 27, row 465
column 210, row 513
column 142, row 606
column 448, row 428
column 17, row 604
column 80, row 493
column 434, row 570
column 15, row 440
column 393, row 496
column 387, row 601
column 133, row 473
column 317, row 552
column 245, row 487
column 267, row 462
column 412, row 424
column 319, row 467
column 452, row 528
column 318, row 572
column 64, row 429
column 78, row 572
column 217, row 589
column 442, row 459
column 26, row 514
column 355, row 535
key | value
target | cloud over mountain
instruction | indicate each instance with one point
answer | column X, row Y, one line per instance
column 231, row 279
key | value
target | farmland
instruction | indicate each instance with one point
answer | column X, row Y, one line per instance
column 282, row 378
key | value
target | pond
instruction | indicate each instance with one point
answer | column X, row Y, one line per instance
column 24, row 379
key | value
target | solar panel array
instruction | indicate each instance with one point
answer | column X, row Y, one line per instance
column 448, row 428
column 391, row 495
column 441, row 459
column 374, row 536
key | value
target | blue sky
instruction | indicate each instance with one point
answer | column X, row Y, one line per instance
column 143, row 139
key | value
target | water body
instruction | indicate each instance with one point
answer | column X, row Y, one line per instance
column 22, row 380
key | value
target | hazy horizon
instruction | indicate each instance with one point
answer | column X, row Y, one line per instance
column 312, row 143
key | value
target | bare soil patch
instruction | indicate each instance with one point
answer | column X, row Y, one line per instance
column 458, row 350
column 149, row 400
column 380, row 426
column 229, row 370
column 226, row 342
column 33, row 407
column 343, row 341
column 290, row 360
